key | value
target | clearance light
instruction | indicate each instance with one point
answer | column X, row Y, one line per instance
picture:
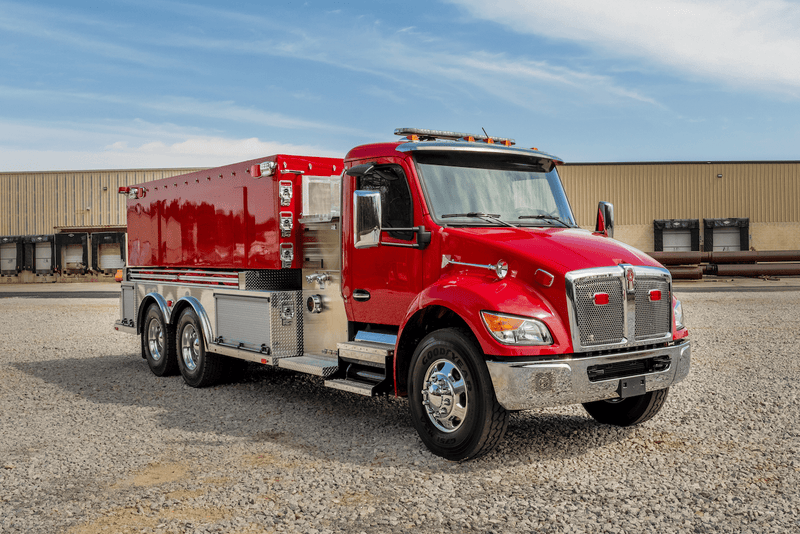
column 430, row 135
column 600, row 299
column 511, row 330
column 655, row 295
column 412, row 137
column 470, row 139
column 489, row 141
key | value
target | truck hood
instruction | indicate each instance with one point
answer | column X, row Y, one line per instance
column 556, row 250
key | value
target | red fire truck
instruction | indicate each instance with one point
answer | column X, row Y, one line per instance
column 447, row 268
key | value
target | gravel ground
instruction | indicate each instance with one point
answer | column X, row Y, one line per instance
column 91, row 441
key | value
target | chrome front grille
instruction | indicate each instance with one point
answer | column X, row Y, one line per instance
column 652, row 317
column 600, row 325
column 630, row 317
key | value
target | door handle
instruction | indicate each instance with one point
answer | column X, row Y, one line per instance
column 361, row 295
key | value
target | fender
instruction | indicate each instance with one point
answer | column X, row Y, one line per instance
column 205, row 324
column 166, row 313
column 468, row 295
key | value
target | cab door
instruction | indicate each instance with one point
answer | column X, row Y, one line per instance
column 379, row 283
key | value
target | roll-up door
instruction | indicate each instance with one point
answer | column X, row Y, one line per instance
column 44, row 257
column 110, row 257
column 8, row 258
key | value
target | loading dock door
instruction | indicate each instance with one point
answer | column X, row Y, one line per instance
column 73, row 257
column 677, row 240
column 44, row 257
column 8, row 258
column 110, row 257
column 727, row 238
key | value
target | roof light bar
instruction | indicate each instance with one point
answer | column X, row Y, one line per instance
column 421, row 134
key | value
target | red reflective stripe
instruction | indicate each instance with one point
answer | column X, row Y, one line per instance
column 600, row 299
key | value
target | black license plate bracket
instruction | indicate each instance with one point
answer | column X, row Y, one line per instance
column 632, row 387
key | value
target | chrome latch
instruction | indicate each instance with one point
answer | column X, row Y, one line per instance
column 287, row 312
column 286, row 223
column 285, row 192
column 287, row 255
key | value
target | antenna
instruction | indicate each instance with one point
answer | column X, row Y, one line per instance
column 484, row 132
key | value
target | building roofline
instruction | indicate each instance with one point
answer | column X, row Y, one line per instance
column 743, row 162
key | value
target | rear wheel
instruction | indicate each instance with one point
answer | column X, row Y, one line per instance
column 630, row 411
column 198, row 367
column 451, row 397
column 158, row 342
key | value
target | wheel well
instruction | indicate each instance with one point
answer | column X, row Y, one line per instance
column 420, row 325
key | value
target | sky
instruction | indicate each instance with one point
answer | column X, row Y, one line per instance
column 154, row 84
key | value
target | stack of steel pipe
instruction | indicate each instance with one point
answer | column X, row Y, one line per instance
column 693, row 265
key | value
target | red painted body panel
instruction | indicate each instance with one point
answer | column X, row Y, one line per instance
column 221, row 218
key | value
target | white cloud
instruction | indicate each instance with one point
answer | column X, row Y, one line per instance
column 740, row 42
column 130, row 146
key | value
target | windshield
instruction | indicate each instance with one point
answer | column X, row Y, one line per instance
column 492, row 189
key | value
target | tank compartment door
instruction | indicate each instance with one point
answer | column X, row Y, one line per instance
column 269, row 324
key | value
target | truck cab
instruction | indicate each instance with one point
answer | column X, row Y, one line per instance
column 468, row 248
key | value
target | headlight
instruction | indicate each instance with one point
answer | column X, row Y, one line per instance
column 511, row 330
column 677, row 311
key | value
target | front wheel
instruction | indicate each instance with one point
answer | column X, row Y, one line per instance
column 451, row 397
column 198, row 367
column 627, row 412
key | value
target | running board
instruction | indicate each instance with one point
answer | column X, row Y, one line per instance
column 311, row 365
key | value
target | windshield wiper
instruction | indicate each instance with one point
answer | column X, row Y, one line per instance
column 545, row 218
column 491, row 217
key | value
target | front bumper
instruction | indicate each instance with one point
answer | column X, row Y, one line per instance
column 558, row 382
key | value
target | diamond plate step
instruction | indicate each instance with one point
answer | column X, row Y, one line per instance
column 368, row 352
column 311, row 365
column 352, row 386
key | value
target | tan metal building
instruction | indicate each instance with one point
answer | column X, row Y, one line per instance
column 41, row 202
column 765, row 193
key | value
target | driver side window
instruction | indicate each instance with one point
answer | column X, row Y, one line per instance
column 396, row 206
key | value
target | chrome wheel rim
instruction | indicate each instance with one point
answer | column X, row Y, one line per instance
column 155, row 339
column 190, row 347
column 444, row 395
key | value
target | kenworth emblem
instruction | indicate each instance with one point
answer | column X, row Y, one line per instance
column 630, row 276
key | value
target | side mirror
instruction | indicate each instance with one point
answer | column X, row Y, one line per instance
column 366, row 219
column 605, row 219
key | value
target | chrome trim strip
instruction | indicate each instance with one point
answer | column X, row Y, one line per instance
column 464, row 146
column 527, row 385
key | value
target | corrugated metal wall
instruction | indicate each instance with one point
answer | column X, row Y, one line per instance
column 36, row 202
column 764, row 192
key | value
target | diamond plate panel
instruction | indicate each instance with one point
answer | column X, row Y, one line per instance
column 273, row 280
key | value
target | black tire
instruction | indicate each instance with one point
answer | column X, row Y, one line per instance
column 199, row 368
column 158, row 343
column 630, row 411
column 473, row 422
